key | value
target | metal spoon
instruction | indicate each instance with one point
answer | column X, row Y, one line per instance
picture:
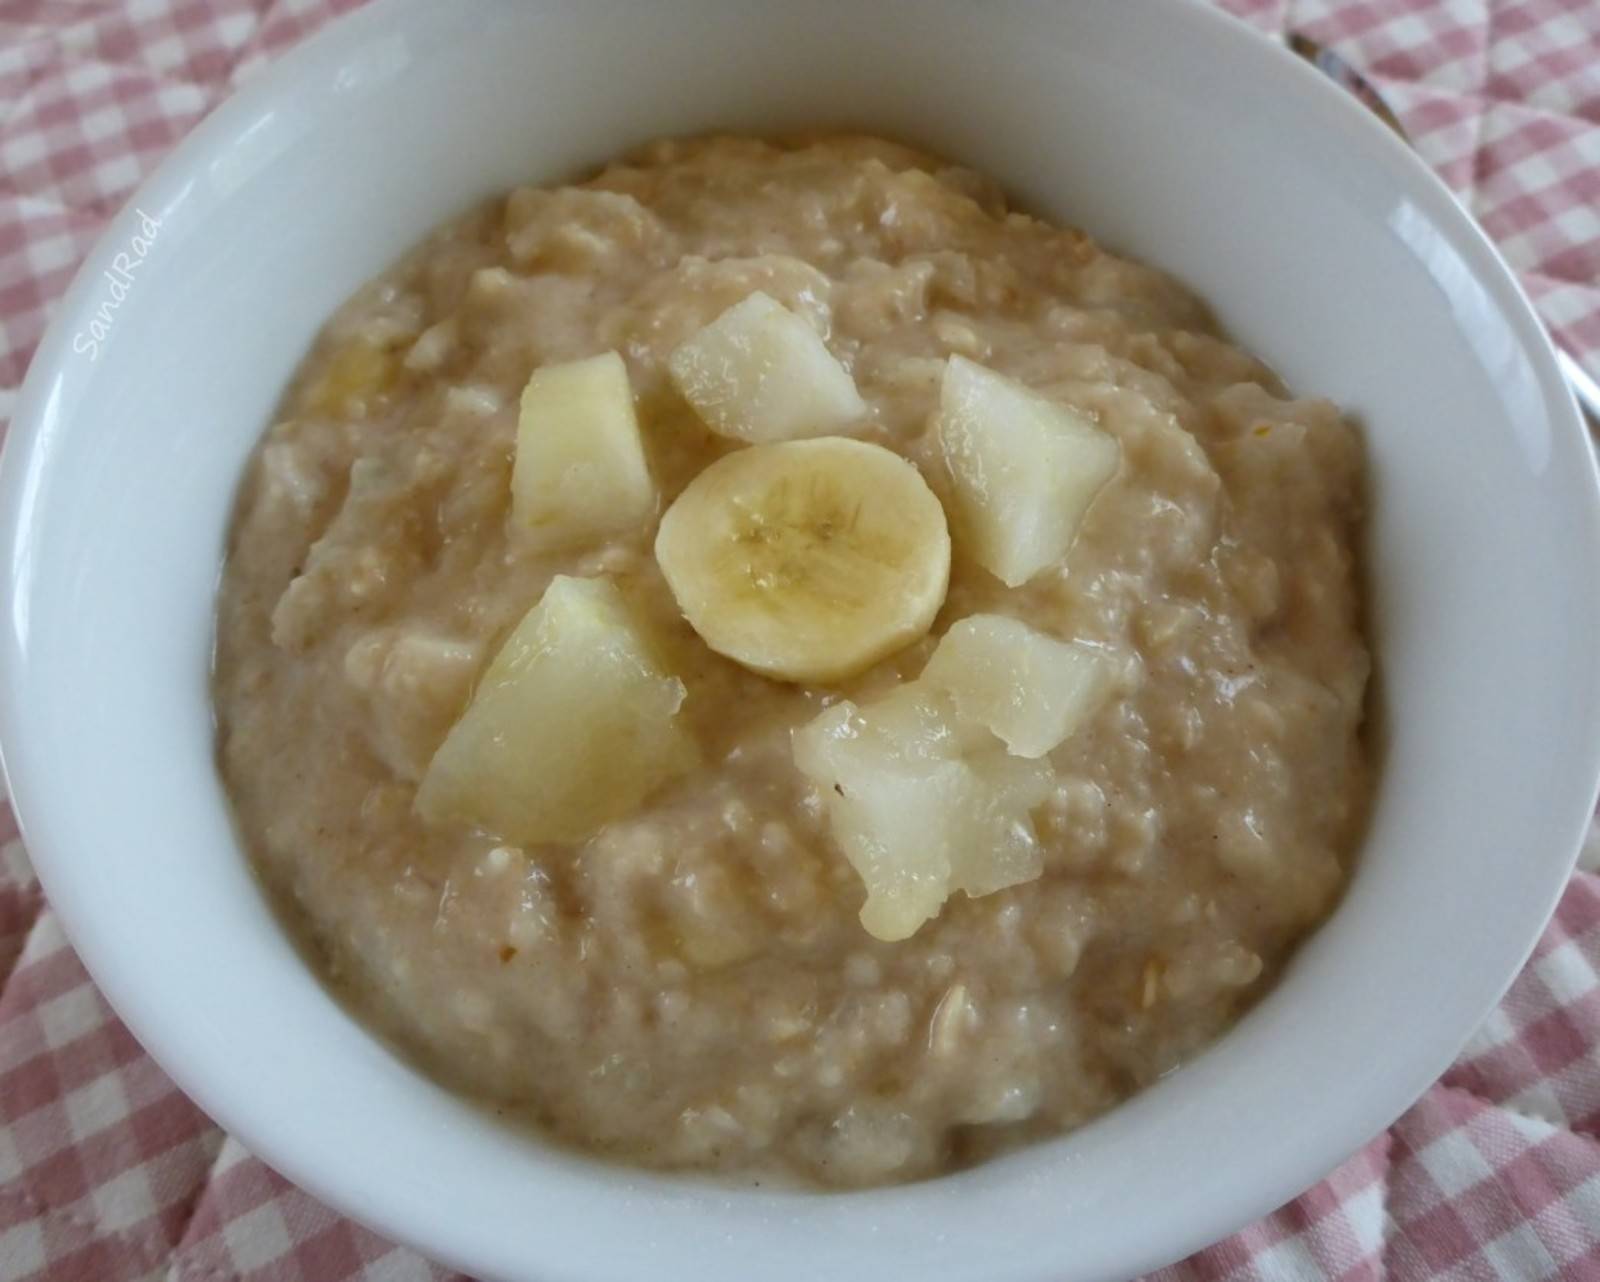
column 1347, row 77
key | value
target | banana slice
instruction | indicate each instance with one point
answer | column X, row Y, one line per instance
column 807, row 560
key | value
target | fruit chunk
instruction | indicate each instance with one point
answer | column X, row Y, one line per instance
column 807, row 560
column 1024, row 468
column 919, row 808
column 920, row 795
column 580, row 471
column 574, row 724
column 1030, row 689
column 356, row 375
column 760, row 373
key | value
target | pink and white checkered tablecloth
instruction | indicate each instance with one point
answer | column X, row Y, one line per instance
column 108, row 1174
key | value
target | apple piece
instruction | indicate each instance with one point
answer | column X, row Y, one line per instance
column 760, row 373
column 580, row 471
column 1025, row 686
column 574, row 724
column 1024, row 469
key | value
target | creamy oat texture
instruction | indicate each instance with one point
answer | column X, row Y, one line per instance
column 691, row 987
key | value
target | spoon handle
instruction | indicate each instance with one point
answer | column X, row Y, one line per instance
column 1583, row 386
column 1348, row 78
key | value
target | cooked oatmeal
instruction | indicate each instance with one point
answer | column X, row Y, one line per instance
column 691, row 985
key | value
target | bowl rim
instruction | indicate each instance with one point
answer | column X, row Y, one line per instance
column 224, row 1102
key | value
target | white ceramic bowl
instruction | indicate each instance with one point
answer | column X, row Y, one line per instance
column 1159, row 126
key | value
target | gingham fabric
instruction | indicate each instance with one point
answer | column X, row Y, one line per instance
column 108, row 1174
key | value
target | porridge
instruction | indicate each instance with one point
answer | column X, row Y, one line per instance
column 767, row 660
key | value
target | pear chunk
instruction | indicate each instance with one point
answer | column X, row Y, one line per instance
column 760, row 373
column 574, row 724
column 929, row 790
column 580, row 472
column 1028, row 688
column 1024, row 470
column 920, row 806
